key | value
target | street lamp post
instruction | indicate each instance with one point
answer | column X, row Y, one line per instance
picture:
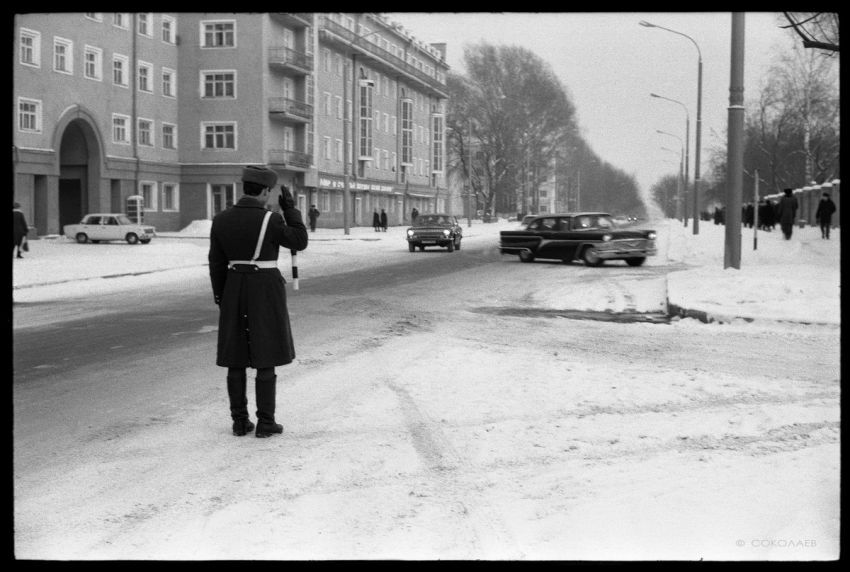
column 469, row 168
column 687, row 151
column 699, row 121
column 680, row 205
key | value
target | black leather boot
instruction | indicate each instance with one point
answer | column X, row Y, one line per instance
column 266, row 393
column 236, row 384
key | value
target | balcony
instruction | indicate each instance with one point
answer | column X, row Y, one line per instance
column 290, row 110
column 336, row 33
column 289, row 60
column 294, row 19
column 293, row 160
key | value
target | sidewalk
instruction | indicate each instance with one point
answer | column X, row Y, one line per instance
column 796, row 281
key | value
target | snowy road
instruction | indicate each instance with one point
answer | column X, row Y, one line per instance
column 421, row 424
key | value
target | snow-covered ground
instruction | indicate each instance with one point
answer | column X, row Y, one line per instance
column 582, row 440
column 796, row 280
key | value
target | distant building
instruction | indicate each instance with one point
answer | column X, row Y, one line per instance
column 171, row 106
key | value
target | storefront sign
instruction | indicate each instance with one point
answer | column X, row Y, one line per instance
column 327, row 182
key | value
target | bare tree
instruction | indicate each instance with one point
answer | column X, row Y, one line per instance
column 818, row 30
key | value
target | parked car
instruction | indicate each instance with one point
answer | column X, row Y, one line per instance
column 435, row 229
column 590, row 236
column 97, row 227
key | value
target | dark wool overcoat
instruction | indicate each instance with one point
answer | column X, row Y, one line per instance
column 19, row 227
column 253, row 323
column 825, row 209
column 786, row 210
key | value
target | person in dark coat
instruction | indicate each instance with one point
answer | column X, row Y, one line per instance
column 413, row 215
column 20, row 228
column 749, row 215
column 313, row 214
column 376, row 221
column 826, row 208
column 786, row 213
column 383, row 220
column 769, row 215
column 253, row 324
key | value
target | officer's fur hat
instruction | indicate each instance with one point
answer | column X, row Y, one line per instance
column 260, row 175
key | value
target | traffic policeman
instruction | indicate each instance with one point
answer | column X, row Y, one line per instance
column 253, row 326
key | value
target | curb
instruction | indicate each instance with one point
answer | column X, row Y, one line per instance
column 674, row 310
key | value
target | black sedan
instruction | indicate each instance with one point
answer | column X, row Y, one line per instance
column 435, row 229
column 590, row 236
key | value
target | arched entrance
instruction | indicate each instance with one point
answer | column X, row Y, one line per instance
column 79, row 170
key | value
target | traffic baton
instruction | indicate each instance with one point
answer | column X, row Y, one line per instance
column 294, row 269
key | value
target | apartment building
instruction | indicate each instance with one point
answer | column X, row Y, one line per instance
column 170, row 107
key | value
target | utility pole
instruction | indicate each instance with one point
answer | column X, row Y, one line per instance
column 346, row 141
column 735, row 149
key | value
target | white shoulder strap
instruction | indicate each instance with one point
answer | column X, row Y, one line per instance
column 262, row 235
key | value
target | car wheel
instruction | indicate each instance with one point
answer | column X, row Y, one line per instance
column 131, row 238
column 526, row 256
column 567, row 260
column 411, row 247
column 457, row 244
column 451, row 245
column 636, row 261
column 145, row 240
column 421, row 248
column 589, row 256
column 95, row 242
column 82, row 238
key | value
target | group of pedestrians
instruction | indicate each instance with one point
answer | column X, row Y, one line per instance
column 379, row 221
column 783, row 213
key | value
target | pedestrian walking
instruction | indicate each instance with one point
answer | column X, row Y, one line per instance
column 253, row 325
column 786, row 213
column 826, row 208
column 769, row 215
column 749, row 215
column 20, row 228
column 414, row 214
column 383, row 220
column 313, row 214
column 376, row 221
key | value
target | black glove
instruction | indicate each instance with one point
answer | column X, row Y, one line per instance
column 285, row 199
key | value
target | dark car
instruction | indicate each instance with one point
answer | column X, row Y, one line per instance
column 435, row 229
column 590, row 236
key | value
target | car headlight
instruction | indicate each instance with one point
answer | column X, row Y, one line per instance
column 446, row 232
column 651, row 236
column 606, row 237
column 410, row 232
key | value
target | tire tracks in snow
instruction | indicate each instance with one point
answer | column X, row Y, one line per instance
column 445, row 465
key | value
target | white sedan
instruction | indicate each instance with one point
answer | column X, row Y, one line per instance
column 98, row 227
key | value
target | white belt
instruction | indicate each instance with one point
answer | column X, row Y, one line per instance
column 257, row 263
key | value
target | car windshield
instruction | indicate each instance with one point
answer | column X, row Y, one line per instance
column 432, row 219
column 592, row 222
column 124, row 219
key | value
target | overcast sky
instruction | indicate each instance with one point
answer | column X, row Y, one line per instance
column 609, row 65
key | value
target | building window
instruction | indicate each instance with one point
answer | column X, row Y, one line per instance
column 326, row 60
column 120, row 130
column 222, row 197
column 339, row 108
column 168, row 83
column 169, row 34
column 406, row 132
column 394, row 120
column 96, row 16
column 310, row 90
column 219, row 84
column 148, row 191
column 169, row 136
column 327, row 147
column 437, row 142
column 29, row 115
column 339, row 150
column 376, row 158
column 394, row 163
column 121, row 20
column 339, row 64
column 386, row 122
column 218, row 34
column 170, row 197
column 144, row 128
column 93, row 63
column 30, row 48
column 386, row 160
column 144, row 21
column 145, row 71
column 63, row 55
column 366, row 89
column 219, row 135
column 119, row 69
column 327, row 102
